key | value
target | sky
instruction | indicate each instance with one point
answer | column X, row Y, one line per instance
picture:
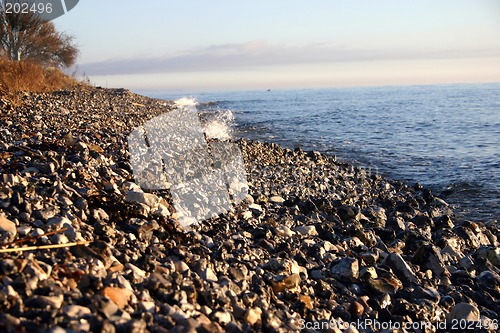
column 204, row 45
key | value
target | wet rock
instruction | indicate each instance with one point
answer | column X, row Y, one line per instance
column 489, row 279
column 356, row 309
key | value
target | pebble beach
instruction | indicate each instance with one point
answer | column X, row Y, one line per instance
column 318, row 245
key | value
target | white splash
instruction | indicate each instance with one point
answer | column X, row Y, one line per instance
column 219, row 125
column 216, row 124
column 186, row 101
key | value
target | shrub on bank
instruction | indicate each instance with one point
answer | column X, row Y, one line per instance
column 18, row 77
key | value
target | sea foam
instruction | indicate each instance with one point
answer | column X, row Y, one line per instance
column 217, row 124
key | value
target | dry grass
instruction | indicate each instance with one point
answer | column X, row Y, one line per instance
column 17, row 78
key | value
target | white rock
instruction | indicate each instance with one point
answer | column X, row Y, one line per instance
column 148, row 199
column 306, row 230
column 400, row 267
column 181, row 267
column 246, row 215
column 76, row 311
column 24, row 230
column 284, row 231
column 255, row 207
column 129, row 186
column 162, row 211
column 138, row 273
column 248, row 199
column 209, row 275
column 148, row 306
column 253, row 315
column 277, row 199
column 346, row 268
column 222, row 317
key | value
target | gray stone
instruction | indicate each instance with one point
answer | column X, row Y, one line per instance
column 317, row 274
column 24, row 217
column 239, row 273
column 429, row 293
column 181, row 267
column 58, row 222
column 59, row 239
column 209, row 275
column 137, row 273
column 347, row 269
column 81, row 146
column 464, row 311
column 401, row 268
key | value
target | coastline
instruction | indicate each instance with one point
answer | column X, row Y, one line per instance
column 317, row 240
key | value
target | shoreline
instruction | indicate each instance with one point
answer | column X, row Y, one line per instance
column 316, row 240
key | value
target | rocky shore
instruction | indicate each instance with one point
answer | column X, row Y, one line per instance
column 317, row 244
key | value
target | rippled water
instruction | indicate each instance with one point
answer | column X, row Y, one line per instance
column 444, row 136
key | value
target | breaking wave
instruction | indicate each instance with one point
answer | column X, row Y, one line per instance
column 216, row 123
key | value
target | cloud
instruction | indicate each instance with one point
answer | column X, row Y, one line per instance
column 260, row 54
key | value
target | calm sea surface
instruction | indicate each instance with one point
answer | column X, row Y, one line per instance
column 446, row 137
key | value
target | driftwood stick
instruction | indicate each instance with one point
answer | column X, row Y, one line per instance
column 32, row 238
column 43, row 247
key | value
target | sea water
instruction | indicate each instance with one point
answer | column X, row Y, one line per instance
column 446, row 137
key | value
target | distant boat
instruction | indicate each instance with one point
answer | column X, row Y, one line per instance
column 268, row 89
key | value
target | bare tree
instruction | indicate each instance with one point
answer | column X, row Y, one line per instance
column 25, row 36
